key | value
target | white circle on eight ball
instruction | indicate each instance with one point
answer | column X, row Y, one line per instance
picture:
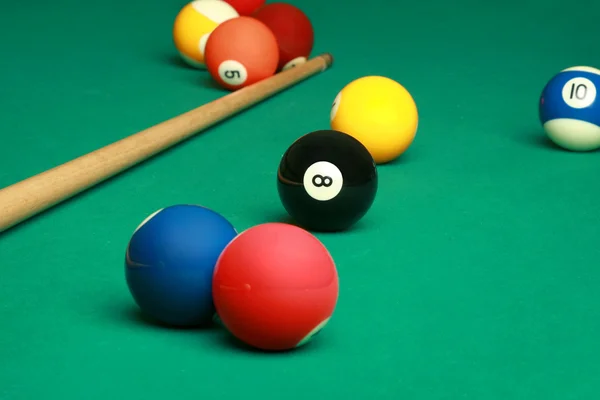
column 233, row 72
column 579, row 92
column 323, row 181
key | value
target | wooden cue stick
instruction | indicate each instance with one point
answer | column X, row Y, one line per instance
column 31, row 196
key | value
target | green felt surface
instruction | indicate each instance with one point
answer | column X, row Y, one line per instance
column 474, row 276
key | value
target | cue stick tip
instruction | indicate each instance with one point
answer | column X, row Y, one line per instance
column 328, row 58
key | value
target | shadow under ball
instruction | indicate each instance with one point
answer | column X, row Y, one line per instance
column 327, row 181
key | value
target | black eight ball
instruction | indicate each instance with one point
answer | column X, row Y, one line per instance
column 327, row 181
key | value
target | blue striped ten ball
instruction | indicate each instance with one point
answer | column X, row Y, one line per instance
column 569, row 110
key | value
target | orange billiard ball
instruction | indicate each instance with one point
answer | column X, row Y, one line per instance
column 275, row 287
column 240, row 52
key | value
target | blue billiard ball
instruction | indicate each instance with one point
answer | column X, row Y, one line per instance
column 569, row 110
column 170, row 260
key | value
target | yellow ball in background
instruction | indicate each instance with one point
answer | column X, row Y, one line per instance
column 193, row 25
column 380, row 113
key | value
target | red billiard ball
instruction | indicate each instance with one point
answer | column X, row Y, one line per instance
column 241, row 51
column 293, row 30
column 275, row 286
column 245, row 7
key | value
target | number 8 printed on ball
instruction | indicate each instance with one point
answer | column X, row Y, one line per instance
column 323, row 181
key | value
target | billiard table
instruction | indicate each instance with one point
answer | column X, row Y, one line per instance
column 474, row 275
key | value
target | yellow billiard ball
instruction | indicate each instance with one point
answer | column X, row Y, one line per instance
column 193, row 25
column 380, row 113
